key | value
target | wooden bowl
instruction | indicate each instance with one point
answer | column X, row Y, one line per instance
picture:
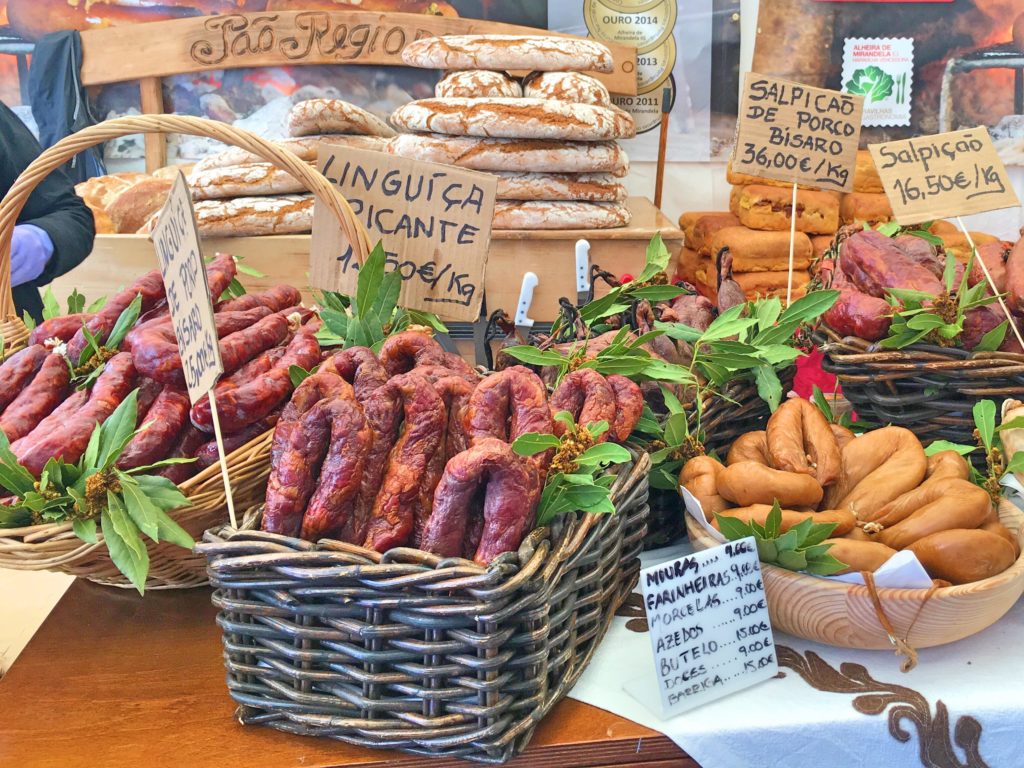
column 835, row 613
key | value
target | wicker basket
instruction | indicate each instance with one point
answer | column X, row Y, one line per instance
column 929, row 390
column 53, row 546
column 406, row 651
column 738, row 410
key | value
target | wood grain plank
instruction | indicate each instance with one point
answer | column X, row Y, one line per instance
column 152, row 103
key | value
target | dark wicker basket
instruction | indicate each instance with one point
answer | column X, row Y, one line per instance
column 410, row 652
column 927, row 389
column 738, row 410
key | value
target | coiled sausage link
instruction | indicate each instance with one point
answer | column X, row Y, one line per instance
column 164, row 422
column 406, row 350
column 360, row 367
column 17, row 371
column 629, row 405
column 46, row 391
column 150, row 287
column 798, row 431
column 585, row 394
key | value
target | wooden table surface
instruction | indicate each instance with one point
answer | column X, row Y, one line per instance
column 117, row 681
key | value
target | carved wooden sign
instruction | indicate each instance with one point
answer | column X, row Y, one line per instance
column 289, row 37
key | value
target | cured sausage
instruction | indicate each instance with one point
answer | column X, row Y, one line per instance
column 150, row 287
column 629, row 405
column 750, row 446
column 297, row 450
column 185, row 447
column 1015, row 277
column 842, row 435
column 207, row 454
column 17, row 371
column 341, row 474
column 219, row 274
column 874, row 263
column 758, row 513
column 510, row 403
column 700, row 477
column 859, row 555
column 163, row 424
column 225, row 322
column 957, row 504
column 401, row 499
column 63, row 328
column 961, row 556
column 944, row 465
column 71, row 404
column 360, row 367
column 244, row 375
column 455, row 393
column 47, row 390
column 435, row 372
column 798, row 431
column 406, row 350
column 69, row 440
column 878, row 467
column 585, row 394
column 277, row 298
column 491, row 470
column 747, row 482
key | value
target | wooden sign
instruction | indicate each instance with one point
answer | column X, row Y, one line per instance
column 176, row 238
column 434, row 221
column 943, row 176
column 797, row 133
column 709, row 623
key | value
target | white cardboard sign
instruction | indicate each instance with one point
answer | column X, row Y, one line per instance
column 709, row 623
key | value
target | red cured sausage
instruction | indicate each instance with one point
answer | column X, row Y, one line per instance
column 297, row 450
column 150, row 287
column 629, row 405
column 252, row 401
column 341, row 474
column 459, row 365
column 360, row 367
column 588, row 396
column 434, row 372
column 47, row 390
column 185, row 447
column 219, row 274
column 277, row 298
column 921, row 252
column 163, row 424
column 994, row 255
column 17, row 371
column 406, row 350
column 149, row 390
column 69, row 440
column 874, row 263
column 856, row 313
column 247, row 373
column 64, row 328
column 508, row 404
column 207, row 453
column 510, row 492
column 1015, row 277
column 401, row 498
column 71, row 404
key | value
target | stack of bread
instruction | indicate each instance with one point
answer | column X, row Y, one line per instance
column 550, row 138
column 756, row 230
column 239, row 194
column 121, row 203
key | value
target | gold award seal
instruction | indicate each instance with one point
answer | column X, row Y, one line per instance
column 644, row 30
column 646, row 107
column 654, row 66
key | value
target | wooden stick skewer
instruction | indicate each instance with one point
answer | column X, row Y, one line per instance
column 659, row 181
column 792, row 245
column 223, row 460
column 991, row 282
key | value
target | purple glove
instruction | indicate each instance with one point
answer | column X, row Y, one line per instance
column 31, row 248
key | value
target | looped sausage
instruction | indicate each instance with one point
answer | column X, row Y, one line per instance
column 277, row 298
column 944, row 465
column 747, row 482
column 878, row 467
column 751, row 446
column 17, row 371
column 758, row 513
column 798, row 430
column 962, row 556
column 406, row 350
column 585, row 394
column 492, row 471
column 208, row 453
column 508, row 404
column 46, row 391
column 842, row 435
column 629, row 405
column 163, row 423
column 64, row 328
column 957, row 504
column 150, row 287
column 360, row 367
column 434, row 372
column 401, row 500
column 700, row 477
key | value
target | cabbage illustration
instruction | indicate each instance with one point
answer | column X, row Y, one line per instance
column 872, row 82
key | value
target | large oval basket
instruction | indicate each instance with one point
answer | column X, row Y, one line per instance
column 835, row 613
column 54, row 546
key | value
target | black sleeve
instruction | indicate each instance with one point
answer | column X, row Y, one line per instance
column 53, row 206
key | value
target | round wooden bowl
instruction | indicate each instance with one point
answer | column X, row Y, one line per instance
column 835, row 613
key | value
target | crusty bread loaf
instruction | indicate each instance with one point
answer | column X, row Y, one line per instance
column 872, row 207
column 515, row 118
column 542, row 53
column 559, row 215
column 537, row 155
column 756, row 251
column 768, row 208
column 734, row 199
column 305, row 148
column 688, row 220
column 317, row 116
column 567, row 86
column 477, row 84
column 820, row 244
column 133, row 207
column 99, row 191
column 242, row 181
column 253, row 216
column 865, row 175
column 171, row 171
column 753, row 284
column 593, row 187
column 704, row 230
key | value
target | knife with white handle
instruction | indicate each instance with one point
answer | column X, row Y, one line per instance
column 582, row 272
column 523, row 322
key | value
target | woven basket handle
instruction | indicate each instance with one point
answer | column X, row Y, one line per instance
column 68, row 147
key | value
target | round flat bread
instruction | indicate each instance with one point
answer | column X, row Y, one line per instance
column 513, row 154
column 541, row 53
column 254, row 216
column 477, row 83
column 242, row 181
column 515, row 119
column 304, row 148
column 543, row 214
column 567, row 86
column 592, row 187
column 315, row 116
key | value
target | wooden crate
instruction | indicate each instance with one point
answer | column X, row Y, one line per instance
column 116, row 259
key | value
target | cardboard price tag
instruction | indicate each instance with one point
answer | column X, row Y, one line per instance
column 709, row 625
column 797, row 133
column 176, row 238
column 943, row 176
column 434, row 221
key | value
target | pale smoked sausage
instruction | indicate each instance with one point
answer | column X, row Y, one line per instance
column 842, row 435
column 748, row 482
column 943, row 466
column 877, row 467
column 752, row 446
column 859, row 555
column 758, row 513
column 798, row 431
column 960, row 504
column 700, row 477
column 960, row 556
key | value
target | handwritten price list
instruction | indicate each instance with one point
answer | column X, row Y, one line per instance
column 945, row 175
column 709, row 625
column 797, row 133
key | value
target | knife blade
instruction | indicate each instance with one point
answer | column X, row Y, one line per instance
column 524, row 324
column 582, row 272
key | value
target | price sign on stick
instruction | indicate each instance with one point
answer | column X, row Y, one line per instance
column 709, row 625
column 176, row 239
column 434, row 221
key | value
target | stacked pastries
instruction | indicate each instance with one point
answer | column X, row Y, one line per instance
column 550, row 139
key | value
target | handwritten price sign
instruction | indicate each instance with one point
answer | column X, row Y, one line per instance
column 434, row 221
column 945, row 175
